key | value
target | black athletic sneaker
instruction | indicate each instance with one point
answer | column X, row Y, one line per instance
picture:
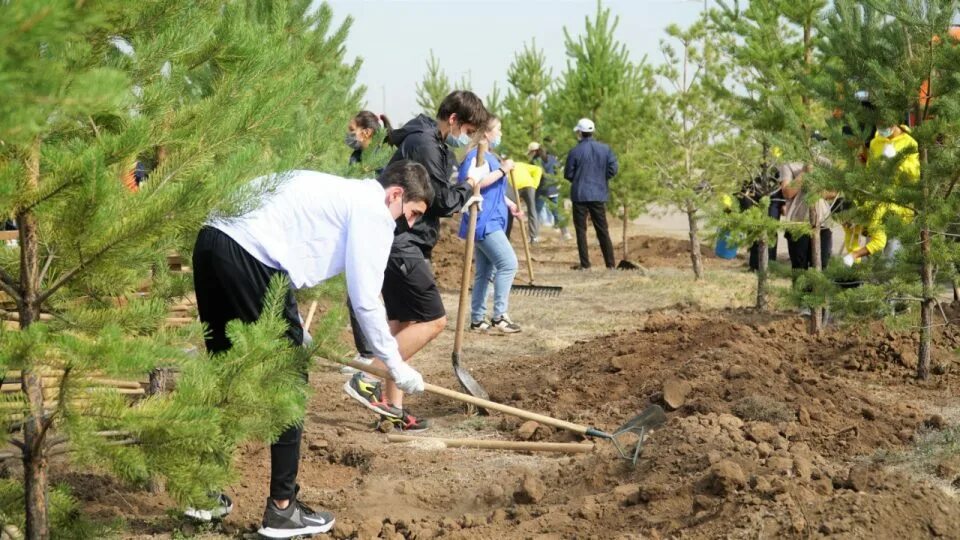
column 222, row 506
column 481, row 326
column 405, row 421
column 297, row 519
column 505, row 325
column 369, row 394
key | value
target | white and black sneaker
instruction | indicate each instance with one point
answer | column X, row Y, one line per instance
column 222, row 506
column 297, row 519
column 505, row 325
column 480, row 326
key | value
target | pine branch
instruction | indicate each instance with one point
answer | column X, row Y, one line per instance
column 8, row 285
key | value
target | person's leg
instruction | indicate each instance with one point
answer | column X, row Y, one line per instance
column 359, row 341
column 580, row 226
column 478, row 299
column 245, row 281
column 826, row 246
column 799, row 250
column 497, row 249
column 529, row 196
column 598, row 214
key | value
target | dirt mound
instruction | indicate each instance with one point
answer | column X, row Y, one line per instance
column 774, row 435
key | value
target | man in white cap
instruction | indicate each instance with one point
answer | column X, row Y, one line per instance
column 590, row 166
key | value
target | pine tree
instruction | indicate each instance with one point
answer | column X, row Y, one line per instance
column 435, row 86
column 529, row 79
column 772, row 52
column 697, row 139
column 216, row 93
column 602, row 83
column 899, row 52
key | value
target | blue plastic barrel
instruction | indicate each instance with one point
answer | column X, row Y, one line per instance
column 723, row 249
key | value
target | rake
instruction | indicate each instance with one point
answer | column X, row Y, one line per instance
column 637, row 427
column 530, row 289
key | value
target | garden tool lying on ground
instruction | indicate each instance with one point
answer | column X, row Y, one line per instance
column 489, row 444
column 638, row 426
column 463, row 375
column 530, row 289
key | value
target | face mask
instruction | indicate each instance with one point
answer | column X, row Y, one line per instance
column 885, row 132
column 495, row 143
column 459, row 141
column 351, row 140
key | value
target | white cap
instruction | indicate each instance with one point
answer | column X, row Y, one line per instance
column 585, row 125
column 533, row 147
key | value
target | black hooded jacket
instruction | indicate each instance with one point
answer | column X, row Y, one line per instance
column 420, row 140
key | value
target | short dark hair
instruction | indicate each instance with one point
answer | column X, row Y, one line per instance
column 586, row 134
column 467, row 106
column 412, row 177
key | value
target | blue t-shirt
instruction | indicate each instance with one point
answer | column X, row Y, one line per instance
column 493, row 217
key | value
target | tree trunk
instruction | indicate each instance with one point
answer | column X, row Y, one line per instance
column 762, row 265
column 816, row 312
column 626, row 217
column 34, row 432
column 926, row 306
column 695, row 257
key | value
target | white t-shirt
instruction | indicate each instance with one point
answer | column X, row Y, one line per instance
column 314, row 226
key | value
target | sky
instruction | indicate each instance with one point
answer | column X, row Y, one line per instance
column 478, row 39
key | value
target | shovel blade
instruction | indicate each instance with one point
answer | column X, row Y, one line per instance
column 469, row 384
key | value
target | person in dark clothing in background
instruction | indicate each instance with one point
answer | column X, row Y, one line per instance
column 549, row 189
column 590, row 166
column 410, row 292
column 361, row 131
column 766, row 184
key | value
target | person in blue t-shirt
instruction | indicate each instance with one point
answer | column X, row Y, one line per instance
column 493, row 252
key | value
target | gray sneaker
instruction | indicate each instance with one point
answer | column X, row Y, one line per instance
column 297, row 519
column 504, row 324
column 222, row 505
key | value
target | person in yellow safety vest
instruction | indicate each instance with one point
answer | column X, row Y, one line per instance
column 855, row 233
column 895, row 142
column 527, row 179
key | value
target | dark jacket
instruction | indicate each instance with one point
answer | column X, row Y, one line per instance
column 590, row 166
column 548, row 183
column 419, row 140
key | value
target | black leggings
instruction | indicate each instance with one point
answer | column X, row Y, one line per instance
column 231, row 284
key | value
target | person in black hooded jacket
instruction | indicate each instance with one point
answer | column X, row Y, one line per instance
column 410, row 292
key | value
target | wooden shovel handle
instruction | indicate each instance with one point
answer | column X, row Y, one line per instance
column 484, row 403
column 468, row 260
column 567, row 448
column 523, row 231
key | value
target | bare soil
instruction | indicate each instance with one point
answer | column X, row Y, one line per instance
column 780, row 435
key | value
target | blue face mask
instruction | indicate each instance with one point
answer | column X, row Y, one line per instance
column 495, row 143
column 885, row 132
column 460, row 141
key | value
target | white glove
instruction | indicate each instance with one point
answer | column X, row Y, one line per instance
column 848, row 260
column 479, row 173
column 478, row 199
column 408, row 379
column 889, row 151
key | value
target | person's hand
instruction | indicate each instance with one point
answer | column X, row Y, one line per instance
column 475, row 199
column 848, row 260
column 517, row 212
column 507, row 165
column 407, row 379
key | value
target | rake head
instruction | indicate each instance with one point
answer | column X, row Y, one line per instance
column 637, row 427
column 544, row 291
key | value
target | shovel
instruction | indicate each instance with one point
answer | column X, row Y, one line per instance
column 530, row 289
column 463, row 375
column 638, row 426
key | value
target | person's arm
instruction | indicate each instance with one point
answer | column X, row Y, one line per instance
column 612, row 166
column 369, row 238
column 448, row 199
column 570, row 169
column 499, row 174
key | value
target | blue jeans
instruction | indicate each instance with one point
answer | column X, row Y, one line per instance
column 494, row 252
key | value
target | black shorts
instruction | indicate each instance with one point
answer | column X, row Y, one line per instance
column 410, row 291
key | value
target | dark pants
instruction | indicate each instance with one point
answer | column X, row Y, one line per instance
column 598, row 214
column 801, row 253
column 359, row 341
column 529, row 196
column 231, row 284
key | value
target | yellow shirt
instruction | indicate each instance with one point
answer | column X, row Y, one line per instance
column 526, row 175
column 902, row 146
column 873, row 231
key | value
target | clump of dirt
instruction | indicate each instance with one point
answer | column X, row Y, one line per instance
column 775, row 436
